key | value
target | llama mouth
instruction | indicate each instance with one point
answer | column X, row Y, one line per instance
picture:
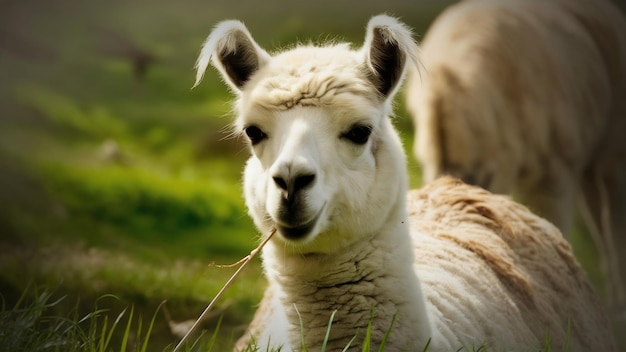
column 299, row 231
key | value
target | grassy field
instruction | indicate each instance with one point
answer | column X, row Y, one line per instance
column 118, row 185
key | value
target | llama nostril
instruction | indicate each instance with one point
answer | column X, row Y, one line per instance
column 295, row 184
column 303, row 181
column 280, row 183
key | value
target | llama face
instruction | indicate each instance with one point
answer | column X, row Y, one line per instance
column 320, row 140
column 313, row 174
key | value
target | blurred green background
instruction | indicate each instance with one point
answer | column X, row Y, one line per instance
column 116, row 177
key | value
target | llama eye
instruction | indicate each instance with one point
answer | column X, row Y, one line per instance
column 255, row 134
column 358, row 134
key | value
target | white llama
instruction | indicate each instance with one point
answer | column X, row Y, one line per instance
column 528, row 97
column 328, row 172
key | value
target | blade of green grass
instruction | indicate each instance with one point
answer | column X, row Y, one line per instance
column 127, row 330
column 101, row 346
column 427, row 345
column 302, row 343
column 144, row 345
column 381, row 348
column 112, row 329
column 345, row 349
column 330, row 323
column 215, row 333
column 368, row 336
column 548, row 344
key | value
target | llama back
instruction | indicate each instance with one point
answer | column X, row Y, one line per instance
column 544, row 97
column 494, row 250
column 603, row 22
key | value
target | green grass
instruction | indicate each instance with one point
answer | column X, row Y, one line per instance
column 157, row 202
column 34, row 324
column 29, row 326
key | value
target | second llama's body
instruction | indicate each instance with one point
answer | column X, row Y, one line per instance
column 528, row 98
column 450, row 266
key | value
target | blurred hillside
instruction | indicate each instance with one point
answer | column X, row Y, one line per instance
column 91, row 86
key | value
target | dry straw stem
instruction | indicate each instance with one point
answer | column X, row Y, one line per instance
column 244, row 261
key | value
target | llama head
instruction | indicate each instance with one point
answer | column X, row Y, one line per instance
column 327, row 166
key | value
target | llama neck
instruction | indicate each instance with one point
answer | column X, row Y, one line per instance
column 372, row 280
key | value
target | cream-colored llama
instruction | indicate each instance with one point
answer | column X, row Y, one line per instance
column 528, row 98
column 456, row 267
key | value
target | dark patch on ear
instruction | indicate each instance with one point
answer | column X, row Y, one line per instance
column 240, row 63
column 239, row 67
column 388, row 62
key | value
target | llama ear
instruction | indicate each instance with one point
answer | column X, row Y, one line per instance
column 233, row 51
column 388, row 48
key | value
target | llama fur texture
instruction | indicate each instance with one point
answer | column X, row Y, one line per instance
column 328, row 172
column 526, row 97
